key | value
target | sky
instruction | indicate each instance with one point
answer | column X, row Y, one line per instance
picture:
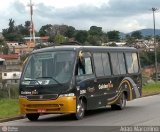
column 122, row 15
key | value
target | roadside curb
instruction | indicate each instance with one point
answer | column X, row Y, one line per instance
column 12, row 118
column 150, row 94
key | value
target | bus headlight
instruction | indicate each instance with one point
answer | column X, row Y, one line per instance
column 67, row 95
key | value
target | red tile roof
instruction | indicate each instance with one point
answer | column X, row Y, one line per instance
column 9, row 56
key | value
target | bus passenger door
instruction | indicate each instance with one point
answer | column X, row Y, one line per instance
column 85, row 78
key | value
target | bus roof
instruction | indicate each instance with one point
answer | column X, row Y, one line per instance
column 90, row 48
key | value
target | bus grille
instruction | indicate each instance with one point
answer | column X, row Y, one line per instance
column 42, row 97
column 46, row 107
column 43, row 105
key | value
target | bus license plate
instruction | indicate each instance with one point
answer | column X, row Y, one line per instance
column 41, row 110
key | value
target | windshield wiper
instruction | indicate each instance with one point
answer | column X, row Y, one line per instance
column 52, row 79
column 32, row 80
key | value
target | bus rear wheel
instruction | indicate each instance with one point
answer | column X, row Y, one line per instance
column 33, row 117
column 121, row 103
column 80, row 111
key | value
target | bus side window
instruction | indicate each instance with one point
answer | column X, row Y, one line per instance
column 84, row 66
column 132, row 62
column 88, row 65
column 135, row 62
column 81, row 67
column 115, row 63
column 122, row 65
column 106, row 64
column 98, row 64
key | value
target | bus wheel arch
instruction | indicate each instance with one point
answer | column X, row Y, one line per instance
column 80, row 108
column 121, row 103
column 83, row 98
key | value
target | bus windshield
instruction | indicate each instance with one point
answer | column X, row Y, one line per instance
column 49, row 68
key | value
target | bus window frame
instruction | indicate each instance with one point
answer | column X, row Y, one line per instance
column 119, row 74
column 123, row 54
column 98, row 52
column 83, row 77
column 108, row 54
column 138, row 60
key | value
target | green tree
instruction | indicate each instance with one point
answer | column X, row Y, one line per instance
column 130, row 41
column 70, row 32
column 26, row 28
column 104, row 38
column 94, row 40
column 16, row 33
column 45, row 30
column 157, row 37
column 81, row 36
column 3, row 47
column 62, row 29
column 146, row 58
column 113, row 36
column 136, row 35
column 95, row 31
column 9, row 33
column 59, row 39
column 148, row 37
column 11, row 28
column 96, row 35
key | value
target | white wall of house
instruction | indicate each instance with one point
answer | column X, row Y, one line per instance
column 15, row 75
column 12, row 44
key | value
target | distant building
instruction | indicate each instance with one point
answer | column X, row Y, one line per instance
column 19, row 49
column 11, row 77
column 10, row 68
column 26, row 47
column 30, row 44
column 119, row 44
column 12, row 62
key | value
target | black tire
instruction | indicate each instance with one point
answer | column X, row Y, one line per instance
column 121, row 103
column 33, row 117
column 80, row 111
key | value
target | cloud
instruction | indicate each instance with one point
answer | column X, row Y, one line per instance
column 122, row 15
column 17, row 11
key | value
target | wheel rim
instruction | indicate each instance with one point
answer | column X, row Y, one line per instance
column 80, row 109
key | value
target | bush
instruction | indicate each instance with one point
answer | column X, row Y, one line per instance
column 11, row 91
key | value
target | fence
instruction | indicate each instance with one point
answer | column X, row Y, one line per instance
column 9, row 91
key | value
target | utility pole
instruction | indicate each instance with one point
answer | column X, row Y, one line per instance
column 32, row 31
column 154, row 40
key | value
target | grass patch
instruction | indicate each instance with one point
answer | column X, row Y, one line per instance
column 151, row 88
column 9, row 108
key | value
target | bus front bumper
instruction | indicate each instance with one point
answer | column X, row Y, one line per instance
column 59, row 105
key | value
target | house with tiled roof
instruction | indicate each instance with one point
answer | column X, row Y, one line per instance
column 10, row 68
column 12, row 62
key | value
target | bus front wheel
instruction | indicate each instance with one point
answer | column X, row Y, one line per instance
column 121, row 103
column 32, row 117
column 80, row 110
